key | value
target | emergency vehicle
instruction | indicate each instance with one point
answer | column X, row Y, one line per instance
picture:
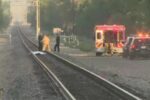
column 113, row 34
column 137, row 46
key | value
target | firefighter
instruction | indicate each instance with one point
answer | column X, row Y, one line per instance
column 46, row 43
column 40, row 37
column 56, row 47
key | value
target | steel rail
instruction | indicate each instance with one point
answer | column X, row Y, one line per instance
column 106, row 83
column 67, row 95
column 124, row 94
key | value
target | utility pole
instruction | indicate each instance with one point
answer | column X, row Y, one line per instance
column 74, row 4
column 37, row 18
column 73, row 16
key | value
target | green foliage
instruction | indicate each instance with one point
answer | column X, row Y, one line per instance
column 1, row 14
column 86, row 44
column 4, row 14
column 83, row 15
column 31, row 16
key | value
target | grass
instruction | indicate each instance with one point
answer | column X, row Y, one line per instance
column 86, row 44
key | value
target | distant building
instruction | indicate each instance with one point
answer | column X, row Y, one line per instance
column 18, row 11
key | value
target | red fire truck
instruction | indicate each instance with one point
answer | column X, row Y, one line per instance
column 113, row 34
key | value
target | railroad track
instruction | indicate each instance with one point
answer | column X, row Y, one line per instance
column 76, row 82
column 54, row 83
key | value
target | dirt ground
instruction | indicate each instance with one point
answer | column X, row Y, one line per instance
column 18, row 76
column 133, row 75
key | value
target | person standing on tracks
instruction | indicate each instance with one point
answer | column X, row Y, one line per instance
column 46, row 43
column 57, row 44
column 40, row 37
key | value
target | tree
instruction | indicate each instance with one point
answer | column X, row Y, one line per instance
column 1, row 14
column 83, row 15
column 4, row 14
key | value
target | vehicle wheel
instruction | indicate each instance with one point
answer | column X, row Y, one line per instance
column 99, row 54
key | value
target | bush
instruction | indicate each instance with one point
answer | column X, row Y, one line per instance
column 86, row 44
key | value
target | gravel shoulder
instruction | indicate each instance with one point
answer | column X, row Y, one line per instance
column 133, row 75
column 19, row 78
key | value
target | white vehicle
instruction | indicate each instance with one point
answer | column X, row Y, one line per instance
column 113, row 34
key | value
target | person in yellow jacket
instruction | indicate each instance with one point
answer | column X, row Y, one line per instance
column 46, row 43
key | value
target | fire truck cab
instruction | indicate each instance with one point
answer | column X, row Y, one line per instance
column 109, row 34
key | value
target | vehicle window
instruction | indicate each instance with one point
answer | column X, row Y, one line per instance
column 110, row 36
column 98, row 35
column 120, row 35
column 141, row 41
column 129, row 42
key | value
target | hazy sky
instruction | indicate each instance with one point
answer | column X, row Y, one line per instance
column 18, row 11
column 14, row 0
column 5, row 0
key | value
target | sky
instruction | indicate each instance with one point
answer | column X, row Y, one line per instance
column 14, row 0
